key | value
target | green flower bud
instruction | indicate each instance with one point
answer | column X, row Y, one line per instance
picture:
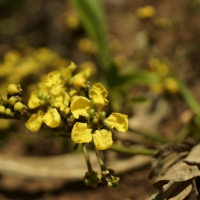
column 2, row 109
column 47, row 98
column 40, row 95
column 94, row 185
column 42, row 102
column 95, row 120
column 14, row 89
column 102, row 114
column 109, row 184
column 92, row 112
column 87, row 182
column 116, row 180
column 8, row 112
column 114, row 185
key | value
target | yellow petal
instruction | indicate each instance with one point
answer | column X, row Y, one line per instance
column 67, row 72
column 98, row 94
column 118, row 121
column 61, row 101
column 33, row 101
column 80, row 106
column 102, row 139
column 35, row 121
column 53, row 78
column 52, row 118
column 56, row 89
column 80, row 133
column 79, row 81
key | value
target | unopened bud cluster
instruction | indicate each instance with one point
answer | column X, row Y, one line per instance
column 107, row 177
column 11, row 105
column 96, row 117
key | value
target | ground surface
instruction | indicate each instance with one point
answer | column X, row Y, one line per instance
column 36, row 21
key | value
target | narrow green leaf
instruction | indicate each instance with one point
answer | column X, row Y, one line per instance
column 93, row 19
column 140, row 99
column 188, row 96
column 136, row 77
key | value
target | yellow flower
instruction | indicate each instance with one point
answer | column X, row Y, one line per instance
column 60, row 101
column 52, row 79
column 102, row 139
column 82, row 132
column 53, row 82
column 146, row 12
column 67, row 72
column 98, row 94
column 52, row 118
column 33, row 101
column 80, row 79
column 80, row 106
column 35, row 121
column 118, row 121
column 171, row 85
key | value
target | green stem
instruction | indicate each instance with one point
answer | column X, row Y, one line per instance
column 183, row 133
column 150, row 152
column 100, row 160
column 150, row 136
column 87, row 158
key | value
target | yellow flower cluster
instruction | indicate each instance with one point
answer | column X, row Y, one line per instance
column 11, row 104
column 146, row 12
column 161, row 69
column 30, row 61
column 53, row 97
column 58, row 97
column 96, row 120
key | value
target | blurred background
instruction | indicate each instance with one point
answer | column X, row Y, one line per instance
column 135, row 49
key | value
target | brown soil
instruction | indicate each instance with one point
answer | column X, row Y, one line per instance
column 36, row 21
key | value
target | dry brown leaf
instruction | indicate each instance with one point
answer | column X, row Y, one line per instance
column 176, row 168
column 178, row 173
column 173, row 191
column 168, row 156
column 194, row 156
column 177, row 191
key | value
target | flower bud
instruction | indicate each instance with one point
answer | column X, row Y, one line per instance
column 14, row 89
column 13, row 100
column 8, row 112
column 4, row 99
column 79, row 82
column 47, row 98
column 95, row 120
column 92, row 112
column 102, row 114
column 2, row 109
column 19, row 106
column 40, row 95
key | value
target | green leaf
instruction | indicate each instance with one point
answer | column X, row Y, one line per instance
column 188, row 96
column 140, row 99
column 136, row 77
column 93, row 19
column 144, row 77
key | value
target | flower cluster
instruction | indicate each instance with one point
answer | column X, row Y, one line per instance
column 96, row 120
column 11, row 104
column 167, row 82
column 65, row 100
column 53, row 97
column 56, row 98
